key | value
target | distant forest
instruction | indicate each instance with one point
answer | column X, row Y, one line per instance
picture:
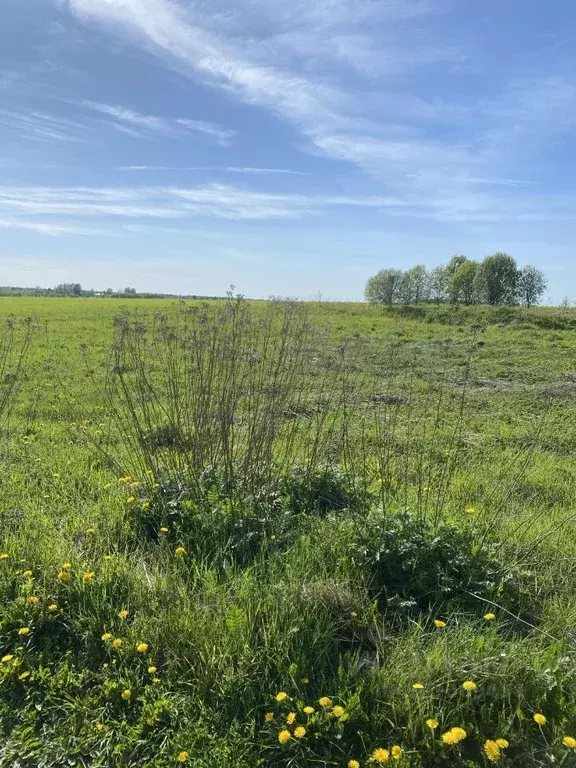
column 75, row 290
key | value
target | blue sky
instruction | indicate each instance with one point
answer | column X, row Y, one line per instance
column 289, row 147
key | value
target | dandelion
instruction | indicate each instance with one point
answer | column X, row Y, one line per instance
column 492, row 751
column 33, row 600
column 338, row 711
column 309, row 710
column 106, row 637
column 353, row 764
column 152, row 670
column 156, row 680
column 300, row 732
column 142, row 648
column 67, row 567
column 24, row 676
column 432, row 723
column 269, row 716
column 380, row 756
column 64, row 575
column 569, row 741
column 99, row 726
column 470, row 510
column 8, row 658
column 179, row 551
column 439, row 624
column 24, row 631
column 397, row 752
column 454, row 736
column 183, row 757
column 489, row 616
column 91, row 531
column 469, row 686
column 4, row 556
column 418, row 686
column 130, row 500
column 540, row 719
column 88, row 577
column 27, row 574
column 281, row 696
column 291, row 717
column 163, row 529
column 122, row 614
column 284, row 736
column 117, row 643
column 127, row 694
column 503, row 743
column 53, row 608
column 325, row 702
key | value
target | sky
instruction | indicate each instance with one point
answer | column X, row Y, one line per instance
column 287, row 147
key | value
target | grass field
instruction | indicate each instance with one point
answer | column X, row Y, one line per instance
column 367, row 558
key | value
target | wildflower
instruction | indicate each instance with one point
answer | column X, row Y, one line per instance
column 163, row 529
column 353, row 764
column 24, row 631
column 309, row 710
column 470, row 510
column 106, row 637
column 179, row 551
column 99, row 726
column 64, row 575
column 24, row 676
column 269, row 716
column 439, row 624
column 281, row 696
column 27, row 574
column 300, row 732
column 127, row 694
column 492, row 750
column 469, row 685
column 454, row 736
column 291, row 717
column 418, row 686
column 397, row 752
column 88, row 577
column 90, row 531
column 183, row 757
column 569, row 741
column 325, row 702
column 380, row 756
column 540, row 719
column 489, row 616
column 4, row 556
column 503, row 743
column 284, row 736
column 67, row 567
column 53, row 608
column 151, row 670
column 156, row 680
column 8, row 658
column 432, row 723
column 338, row 711
column 304, row 681
column 122, row 614
column 130, row 500
column 117, row 643
column 142, row 648
column 33, row 600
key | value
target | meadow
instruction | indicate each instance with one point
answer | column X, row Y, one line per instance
column 272, row 534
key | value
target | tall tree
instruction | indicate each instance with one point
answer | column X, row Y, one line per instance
column 438, row 283
column 500, row 277
column 462, row 284
column 531, row 285
column 383, row 287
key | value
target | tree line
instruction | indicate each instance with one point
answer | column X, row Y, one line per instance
column 496, row 280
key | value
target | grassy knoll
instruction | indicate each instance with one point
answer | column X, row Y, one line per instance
column 241, row 540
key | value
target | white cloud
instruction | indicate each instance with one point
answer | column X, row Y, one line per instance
column 226, row 169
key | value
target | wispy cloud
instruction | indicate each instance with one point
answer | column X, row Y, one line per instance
column 52, row 229
column 146, row 126
column 223, row 169
column 41, row 126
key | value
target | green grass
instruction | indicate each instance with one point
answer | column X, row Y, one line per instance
column 483, row 419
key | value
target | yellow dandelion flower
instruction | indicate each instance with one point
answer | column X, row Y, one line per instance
column 152, row 670
column 418, row 686
column 300, row 732
column 309, row 710
column 24, row 676
column 90, row 531
column 24, row 631
column 492, row 751
column 569, row 741
column 4, row 556
column 99, row 726
column 127, row 694
column 88, row 577
column 454, row 736
column 52, row 607
column 117, row 643
column 67, row 567
column 284, row 736
column 8, row 658
column 183, row 757
column 489, row 616
column 142, row 648
column 122, row 614
column 106, row 637
column 503, row 743
column 439, row 624
column 163, row 529
column 179, row 551
column 469, row 685
column 33, row 600
column 291, row 717
column 397, row 752
column 156, row 680
column 432, row 723
column 27, row 574
column 470, row 510
column 380, row 756
column 325, row 702
column 540, row 719
column 338, row 711
column 353, row 764
column 64, row 575
column 269, row 716
column 281, row 696
column 130, row 500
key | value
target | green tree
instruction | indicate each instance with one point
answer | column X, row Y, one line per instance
column 383, row 287
column 531, row 285
column 438, row 284
column 463, row 282
column 500, row 278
